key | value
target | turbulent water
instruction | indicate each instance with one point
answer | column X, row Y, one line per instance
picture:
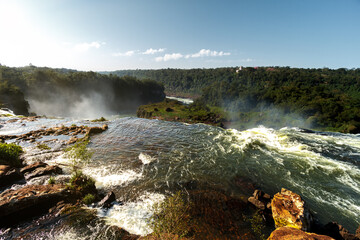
column 142, row 160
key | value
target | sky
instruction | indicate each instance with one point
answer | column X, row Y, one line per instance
column 106, row 35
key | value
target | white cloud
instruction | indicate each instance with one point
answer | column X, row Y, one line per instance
column 83, row 47
column 167, row 57
column 153, row 51
column 125, row 54
column 207, row 53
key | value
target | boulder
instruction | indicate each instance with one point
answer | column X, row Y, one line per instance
column 288, row 210
column 289, row 233
column 9, row 175
column 107, row 200
column 17, row 205
column 260, row 200
column 41, row 171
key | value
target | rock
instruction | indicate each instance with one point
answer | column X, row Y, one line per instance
column 107, row 200
column 260, row 200
column 289, row 233
column 17, row 205
column 9, row 175
column 257, row 203
column 43, row 171
column 95, row 130
column 288, row 209
column 32, row 167
column 72, row 140
column 337, row 231
column 358, row 232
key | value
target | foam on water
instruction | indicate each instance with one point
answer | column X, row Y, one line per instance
column 105, row 177
column 133, row 216
column 145, row 158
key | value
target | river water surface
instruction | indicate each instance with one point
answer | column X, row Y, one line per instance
column 143, row 160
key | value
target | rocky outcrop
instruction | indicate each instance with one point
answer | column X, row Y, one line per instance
column 289, row 233
column 41, row 171
column 17, row 205
column 106, row 202
column 55, row 131
column 9, row 175
column 32, row 167
column 260, row 200
column 288, row 209
column 96, row 130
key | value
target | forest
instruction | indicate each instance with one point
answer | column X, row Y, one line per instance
column 62, row 92
column 324, row 99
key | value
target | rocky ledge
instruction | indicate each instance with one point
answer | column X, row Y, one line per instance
column 293, row 220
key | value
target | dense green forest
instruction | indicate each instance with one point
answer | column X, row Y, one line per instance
column 62, row 92
column 317, row 98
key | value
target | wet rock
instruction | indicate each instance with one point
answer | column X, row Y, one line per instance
column 72, row 140
column 288, row 209
column 32, row 167
column 96, row 130
column 106, row 202
column 289, row 233
column 338, row 232
column 43, row 171
column 9, row 175
column 260, row 200
column 17, row 205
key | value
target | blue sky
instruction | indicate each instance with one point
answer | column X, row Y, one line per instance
column 151, row 34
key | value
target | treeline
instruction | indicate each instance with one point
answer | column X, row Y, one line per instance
column 182, row 82
column 325, row 98
column 60, row 92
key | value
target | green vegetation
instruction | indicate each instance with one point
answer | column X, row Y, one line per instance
column 70, row 87
column 89, row 198
column 12, row 97
column 258, row 225
column 51, row 180
column 43, row 147
column 172, row 110
column 10, row 154
column 102, row 119
column 78, row 154
column 325, row 99
column 171, row 217
column 82, row 183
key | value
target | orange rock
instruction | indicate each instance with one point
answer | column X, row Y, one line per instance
column 289, row 233
column 288, row 210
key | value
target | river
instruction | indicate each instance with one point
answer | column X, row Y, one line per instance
column 142, row 160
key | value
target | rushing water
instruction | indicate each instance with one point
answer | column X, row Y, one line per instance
column 141, row 160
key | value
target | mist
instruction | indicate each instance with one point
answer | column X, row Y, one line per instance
column 89, row 95
column 246, row 113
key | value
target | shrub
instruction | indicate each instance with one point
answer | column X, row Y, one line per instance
column 82, row 183
column 10, row 154
column 89, row 198
column 171, row 217
column 102, row 119
column 78, row 153
column 258, row 225
column 43, row 147
column 51, row 180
